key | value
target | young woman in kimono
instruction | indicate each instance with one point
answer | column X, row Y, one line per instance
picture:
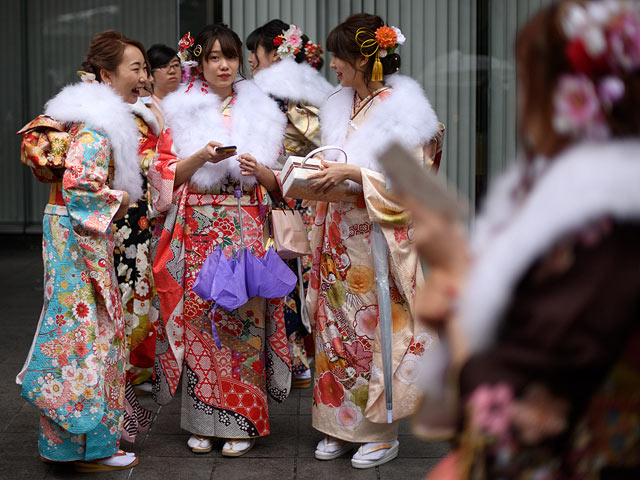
column 132, row 256
column 224, row 390
column 364, row 116
column 293, row 80
column 76, row 368
column 546, row 359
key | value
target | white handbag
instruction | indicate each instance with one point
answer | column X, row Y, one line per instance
column 295, row 181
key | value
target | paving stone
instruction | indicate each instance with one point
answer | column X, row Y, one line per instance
column 340, row 468
column 288, row 407
column 167, row 424
column 155, row 468
column 245, row 468
column 26, row 420
column 67, row 472
column 403, row 468
column 22, row 444
column 284, row 425
column 274, row 446
column 411, row 447
column 305, row 405
column 170, row 446
column 22, row 468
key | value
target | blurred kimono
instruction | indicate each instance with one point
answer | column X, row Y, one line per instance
column 551, row 310
column 76, row 368
column 224, row 390
column 299, row 90
column 348, row 399
column 132, row 256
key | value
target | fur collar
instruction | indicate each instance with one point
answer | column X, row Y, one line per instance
column 257, row 127
column 298, row 82
column 582, row 184
column 143, row 111
column 98, row 106
column 406, row 116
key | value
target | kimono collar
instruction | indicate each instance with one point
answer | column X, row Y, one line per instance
column 296, row 82
column 194, row 119
column 583, row 184
column 405, row 116
column 99, row 106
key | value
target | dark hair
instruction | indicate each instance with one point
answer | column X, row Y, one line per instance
column 160, row 55
column 230, row 43
column 265, row 35
column 342, row 43
column 106, row 51
column 541, row 61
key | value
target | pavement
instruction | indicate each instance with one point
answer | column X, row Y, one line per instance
column 285, row 454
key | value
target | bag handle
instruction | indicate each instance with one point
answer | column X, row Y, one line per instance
column 322, row 149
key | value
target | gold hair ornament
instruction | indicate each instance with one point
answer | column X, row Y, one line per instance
column 197, row 50
column 376, row 72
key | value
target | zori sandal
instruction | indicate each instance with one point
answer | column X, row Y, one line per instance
column 373, row 454
column 236, row 447
column 330, row 448
column 200, row 444
column 120, row 461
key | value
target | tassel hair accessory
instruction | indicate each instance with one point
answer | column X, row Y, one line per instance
column 380, row 43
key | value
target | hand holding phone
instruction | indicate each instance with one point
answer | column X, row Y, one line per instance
column 226, row 149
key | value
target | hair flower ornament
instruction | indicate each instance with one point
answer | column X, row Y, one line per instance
column 380, row 43
column 289, row 42
column 313, row 54
column 87, row 77
column 603, row 47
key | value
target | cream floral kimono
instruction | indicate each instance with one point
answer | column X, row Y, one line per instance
column 349, row 400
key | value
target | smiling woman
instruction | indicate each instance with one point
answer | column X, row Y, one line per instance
column 75, row 371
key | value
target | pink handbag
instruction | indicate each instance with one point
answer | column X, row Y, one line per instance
column 289, row 233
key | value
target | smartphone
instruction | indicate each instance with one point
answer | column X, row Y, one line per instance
column 407, row 176
column 226, row 149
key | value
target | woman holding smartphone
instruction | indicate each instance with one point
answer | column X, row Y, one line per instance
column 195, row 181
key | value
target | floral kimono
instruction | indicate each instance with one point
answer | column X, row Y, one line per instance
column 132, row 256
column 75, row 372
column 224, row 390
column 299, row 98
column 348, row 399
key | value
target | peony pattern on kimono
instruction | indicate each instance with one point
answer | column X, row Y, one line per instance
column 75, row 375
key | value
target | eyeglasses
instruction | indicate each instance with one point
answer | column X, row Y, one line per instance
column 169, row 66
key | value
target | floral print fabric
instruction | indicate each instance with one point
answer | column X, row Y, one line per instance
column 348, row 399
column 75, row 376
column 225, row 389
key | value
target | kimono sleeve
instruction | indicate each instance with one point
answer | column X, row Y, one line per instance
column 162, row 174
column 91, row 204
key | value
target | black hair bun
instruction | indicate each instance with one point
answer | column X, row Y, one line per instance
column 390, row 64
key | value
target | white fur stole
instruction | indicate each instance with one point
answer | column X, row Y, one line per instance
column 99, row 106
column 140, row 109
column 584, row 183
column 406, row 117
column 195, row 119
column 298, row 82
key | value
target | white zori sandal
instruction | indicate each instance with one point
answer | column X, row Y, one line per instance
column 200, row 444
column 373, row 454
column 236, row 447
column 120, row 461
column 330, row 448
